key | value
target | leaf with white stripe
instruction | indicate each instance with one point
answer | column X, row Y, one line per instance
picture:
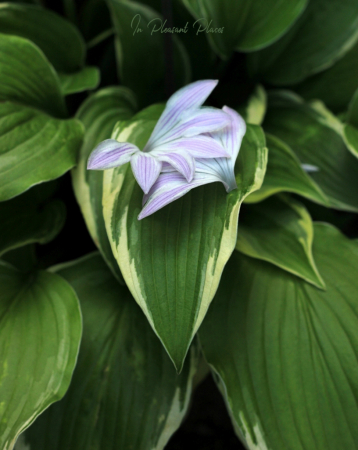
column 99, row 113
column 172, row 261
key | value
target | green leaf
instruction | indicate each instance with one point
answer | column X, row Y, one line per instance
column 285, row 352
column 25, row 221
column 324, row 33
column 99, row 113
column 125, row 393
column 285, row 174
column 27, row 77
column 57, row 38
column 170, row 260
column 142, row 52
column 342, row 76
column 87, row 78
column 34, row 148
column 315, row 137
column 40, row 332
column 244, row 25
column 280, row 231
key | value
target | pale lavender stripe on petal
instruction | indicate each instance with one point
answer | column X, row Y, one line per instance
column 185, row 99
column 198, row 146
column 222, row 168
column 233, row 136
column 146, row 169
column 181, row 160
column 110, row 153
column 199, row 121
column 170, row 187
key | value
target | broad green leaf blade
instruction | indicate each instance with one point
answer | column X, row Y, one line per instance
column 280, row 231
column 335, row 86
column 40, row 332
column 86, row 79
column 324, row 33
column 244, row 25
column 314, row 135
column 286, row 352
column 57, row 38
column 34, row 148
column 125, row 393
column 285, row 174
column 25, row 221
column 172, row 261
column 27, row 77
column 142, row 52
column 99, row 113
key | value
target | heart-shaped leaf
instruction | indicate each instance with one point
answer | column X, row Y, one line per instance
column 315, row 137
column 99, row 113
column 320, row 37
column 285, row 352
column 172, row 261
column 280, row 231
column 243, row 25
column 40, row 332
column 125, row 393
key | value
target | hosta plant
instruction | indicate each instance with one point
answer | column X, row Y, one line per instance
column 178, row 233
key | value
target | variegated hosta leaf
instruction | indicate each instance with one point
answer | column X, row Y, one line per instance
column 40, row 333
column 172, row 261
column 285, row 352
column 323, row 34
column 247, row 25
column 125, row 393
column 99, row 113
column 285, row 174
column 315, row 137
column 280, row 231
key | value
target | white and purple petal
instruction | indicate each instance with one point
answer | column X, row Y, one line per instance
column 187, row 98
column 231, row 136
column 222, row 168
column 198, row 121
column 170, row 187
column 180, row 160
column 198, row 146
column 146, row 169
column 111, row 153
